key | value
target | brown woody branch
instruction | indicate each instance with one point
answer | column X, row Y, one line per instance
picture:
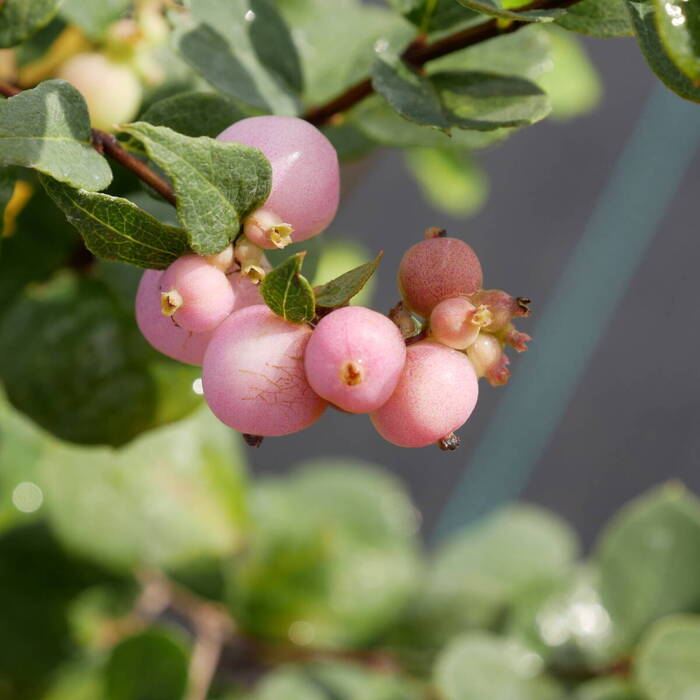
column 417, row 54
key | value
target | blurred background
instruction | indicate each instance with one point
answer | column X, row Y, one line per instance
column 632, row 419
column 175, row 571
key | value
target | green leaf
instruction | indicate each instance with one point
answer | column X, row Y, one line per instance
column 526, row 53
column 21, row 19
column 666, row 667
column 679, row 28
column 194, row 113
column 94, row 17
column 340, row 290
column 563, row 620
column 570, row 98
column 451, row 180
column 216, row 184
column 601, row 18
column 484, row 101
column 331, row 680
column 643, row 15
column 334, row 258
column 334, row 547
column 172, row 497
column 73, row 360
column 413, row 96
column 461, row 99
column 273, row 44
column 114, row 228
column 48, row 129
column 288, row 293
column 320, row 27
column 649, row 559
column 151, row 665
column 349, row 142
column 480, row 665
column 436, row 15
column 375, row 118
column 481, row 570
column 208, row 53
column 490, row 8
column 216, row 42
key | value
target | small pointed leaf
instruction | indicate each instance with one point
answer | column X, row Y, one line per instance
column 462, row 99
column 288, row 293
column 339, row 291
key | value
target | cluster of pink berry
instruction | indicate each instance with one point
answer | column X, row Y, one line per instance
column 265, row 376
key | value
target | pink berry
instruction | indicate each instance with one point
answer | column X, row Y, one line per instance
column 354, row 359
column 254, row 374
column 488, row 359
column 162, row 332
column 438, row 269
column 457, row 322
column 196, row 294
column 305, row 178
column 436, row 395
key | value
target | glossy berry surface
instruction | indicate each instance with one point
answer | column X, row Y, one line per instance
column 161, row 331
column 436, row 395
column 437, row 269
column 355, row 358
column 305, row 174
column 254, row 377
column 196, row 294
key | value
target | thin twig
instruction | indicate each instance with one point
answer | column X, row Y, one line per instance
column 108, row 144
column 419, row 53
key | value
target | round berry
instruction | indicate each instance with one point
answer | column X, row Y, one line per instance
column 436, row 395
column 456, row 322
column 254, row 377
column 354, row 359
column 111, row 90
column 488, row 359
column 162, row 332
column 196, row 294
column 438, row 269
column 305, row 178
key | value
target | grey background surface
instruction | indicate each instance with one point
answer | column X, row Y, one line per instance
column 634, row 420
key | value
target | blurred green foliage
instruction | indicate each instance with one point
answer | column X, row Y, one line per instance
column 117, row 563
